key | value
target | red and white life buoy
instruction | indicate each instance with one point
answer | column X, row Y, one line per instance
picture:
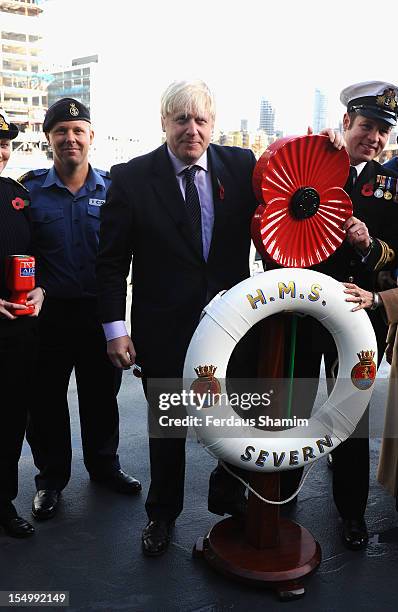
column 226, row 320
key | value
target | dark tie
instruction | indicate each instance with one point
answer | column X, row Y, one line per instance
column 193, row 205
column 352, row 177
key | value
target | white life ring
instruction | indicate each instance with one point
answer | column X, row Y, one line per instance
column 225, row 321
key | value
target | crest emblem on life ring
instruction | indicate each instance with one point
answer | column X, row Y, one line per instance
column 206, row 385
column 363, row 374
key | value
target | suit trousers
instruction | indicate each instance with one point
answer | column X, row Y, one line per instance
column 71, row 337
column 17, row 356
column 165, row 498
column 167, row 453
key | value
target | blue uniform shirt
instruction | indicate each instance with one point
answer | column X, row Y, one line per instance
column 392, row 164
column 65, row 230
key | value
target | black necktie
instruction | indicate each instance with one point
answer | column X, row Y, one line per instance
column 352, row 177
column 193, row 205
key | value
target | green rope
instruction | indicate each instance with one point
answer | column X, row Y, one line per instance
column 291, row 364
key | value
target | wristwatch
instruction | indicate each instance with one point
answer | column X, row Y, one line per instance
column 370, row 247
column 376, row 301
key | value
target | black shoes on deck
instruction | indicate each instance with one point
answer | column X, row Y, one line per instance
column 236, row 508
column 156, row 537
column 118, row 481
column 16, row 527
column 355, row 534
column 45, row 504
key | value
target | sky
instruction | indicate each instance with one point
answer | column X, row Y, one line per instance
column 245, row 50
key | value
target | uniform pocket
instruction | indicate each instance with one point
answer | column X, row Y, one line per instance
column 48, row 228
column 93, row 215
column 94, row 211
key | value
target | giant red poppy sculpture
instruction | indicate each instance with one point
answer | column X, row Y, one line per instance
column 299, row 182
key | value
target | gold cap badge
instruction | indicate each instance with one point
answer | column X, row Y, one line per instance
column 3, row 124
column 388, row 99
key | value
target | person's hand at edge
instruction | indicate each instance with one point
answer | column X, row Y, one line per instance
column 121, row 352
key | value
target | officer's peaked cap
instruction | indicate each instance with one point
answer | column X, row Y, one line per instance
column 373, row 99
column 7, row 129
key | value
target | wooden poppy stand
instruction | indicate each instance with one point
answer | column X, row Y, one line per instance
column 268, row 550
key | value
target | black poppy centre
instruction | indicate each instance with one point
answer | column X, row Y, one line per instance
column 304, row 203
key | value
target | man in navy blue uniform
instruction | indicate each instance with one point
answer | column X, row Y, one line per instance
column 66, row 201
column 371, row 246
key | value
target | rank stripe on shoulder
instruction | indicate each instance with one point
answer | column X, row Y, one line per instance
column 32, row 174
column 387, row 255
column 25, row 177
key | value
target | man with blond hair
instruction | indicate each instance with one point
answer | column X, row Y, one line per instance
column 183, row 211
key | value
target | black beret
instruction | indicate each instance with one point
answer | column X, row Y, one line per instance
column 7, row 129
column 66, row 109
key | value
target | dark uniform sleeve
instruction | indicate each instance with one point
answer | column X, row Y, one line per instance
column 23, row 181
column 115, row 250
column 15, row 238
column 383, row 254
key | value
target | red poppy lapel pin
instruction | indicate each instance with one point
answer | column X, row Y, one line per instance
column 19, row 203
column 221, row 190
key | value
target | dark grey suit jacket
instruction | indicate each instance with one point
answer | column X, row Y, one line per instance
column 145, row 216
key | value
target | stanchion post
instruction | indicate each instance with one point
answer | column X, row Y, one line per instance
column 262, row 522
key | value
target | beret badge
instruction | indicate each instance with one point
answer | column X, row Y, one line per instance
column 74, row 111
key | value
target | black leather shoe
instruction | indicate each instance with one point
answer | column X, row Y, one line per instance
column 156, row 537
column 237, row 509
column 45, row 504
column 355, row 534
column 119, row 481
column 17, row 527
